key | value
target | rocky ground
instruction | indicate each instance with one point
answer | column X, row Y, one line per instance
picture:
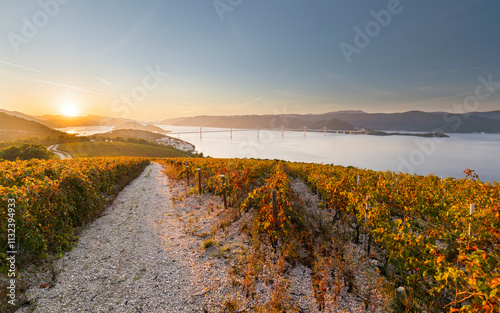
column 161, row 248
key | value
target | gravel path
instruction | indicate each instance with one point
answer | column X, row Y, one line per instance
column 121, row 263
column 62, row 154
column 160, row 248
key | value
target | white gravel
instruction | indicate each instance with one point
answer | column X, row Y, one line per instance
column 121, row 263
column 146, row 254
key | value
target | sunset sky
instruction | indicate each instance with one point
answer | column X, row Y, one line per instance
column 156, row 59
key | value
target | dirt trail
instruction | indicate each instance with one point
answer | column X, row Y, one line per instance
column 121, row 263
column 62, row 154
column 158, row 248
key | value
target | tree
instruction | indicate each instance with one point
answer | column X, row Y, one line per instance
column 26, row 152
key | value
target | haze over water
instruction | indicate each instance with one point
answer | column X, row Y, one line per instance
column 446, row 157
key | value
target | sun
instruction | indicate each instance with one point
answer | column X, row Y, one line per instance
column 69, row 109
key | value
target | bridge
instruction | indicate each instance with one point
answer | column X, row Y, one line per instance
column 305, row 130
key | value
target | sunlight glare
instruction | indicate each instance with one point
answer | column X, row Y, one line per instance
column 69, row 109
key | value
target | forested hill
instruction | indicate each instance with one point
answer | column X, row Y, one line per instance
column 260, row 121
column 475, row 122
column 13, row 128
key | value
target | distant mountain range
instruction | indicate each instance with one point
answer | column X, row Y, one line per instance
column 488, row 122
column 418, row 121
column 129, row 133
column 21, row 115
column 59, row 121
column 259, row 121
column 13, row 128
column 138, row 126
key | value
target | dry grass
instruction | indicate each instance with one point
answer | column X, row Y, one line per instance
column 102, row 148
column 335, row 274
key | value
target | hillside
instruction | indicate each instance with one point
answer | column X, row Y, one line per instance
column 134, row 135
column 260, row 121
column 289, row 237
column 59, row 121
column 138, row 126
column 22, row 115
column 129, row 133
column 491, row 114
column 114, row 149
column 422, row 121
column 13, row 128
column 334, row 124
column 418, row 121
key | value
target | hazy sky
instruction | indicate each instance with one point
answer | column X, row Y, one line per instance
column 111, row 57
